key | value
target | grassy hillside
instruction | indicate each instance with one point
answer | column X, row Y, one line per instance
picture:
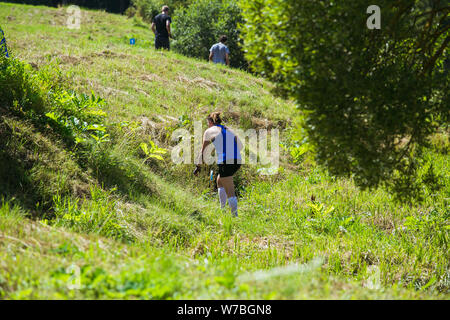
column 134, row 228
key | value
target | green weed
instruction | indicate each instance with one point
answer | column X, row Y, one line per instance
column 99, row 215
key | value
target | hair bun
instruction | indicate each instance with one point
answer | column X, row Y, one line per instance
column 215, row 117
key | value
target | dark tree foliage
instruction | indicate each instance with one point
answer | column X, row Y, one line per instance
column 371, row 98
column 200, row 25
column 116, row 6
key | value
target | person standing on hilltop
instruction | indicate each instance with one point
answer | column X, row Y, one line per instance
column 219, row 53
column 161, row 29
column 228, row 150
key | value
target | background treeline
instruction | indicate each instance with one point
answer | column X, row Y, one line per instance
column 197, row 25
column 116, row 6
column 148, row 9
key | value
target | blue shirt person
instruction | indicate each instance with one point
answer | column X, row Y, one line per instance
column 219, row 53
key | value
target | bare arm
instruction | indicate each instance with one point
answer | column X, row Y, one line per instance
column 154, row 28
column 227, row 58
column 168, row 28
column 200, row 156
column 211, row 54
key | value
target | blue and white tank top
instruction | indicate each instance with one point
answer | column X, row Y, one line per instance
column 226, row 146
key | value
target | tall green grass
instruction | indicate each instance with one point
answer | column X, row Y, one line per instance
column 120, row 224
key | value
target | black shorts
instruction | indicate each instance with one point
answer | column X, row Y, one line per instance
column 228, row 170
column 162, row 43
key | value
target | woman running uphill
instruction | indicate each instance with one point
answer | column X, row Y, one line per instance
column 229, row 159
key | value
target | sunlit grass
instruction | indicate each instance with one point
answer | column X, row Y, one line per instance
column 169, row 238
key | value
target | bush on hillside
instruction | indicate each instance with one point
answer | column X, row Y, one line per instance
column 372, row 97
column 19, row 89
column 199, row 26
column 77, row 118
column 36, row 110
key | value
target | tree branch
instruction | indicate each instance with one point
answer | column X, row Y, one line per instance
column 430, row 64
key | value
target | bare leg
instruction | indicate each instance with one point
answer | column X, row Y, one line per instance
column 222, row 193
column 228, row 184
column 219, row 182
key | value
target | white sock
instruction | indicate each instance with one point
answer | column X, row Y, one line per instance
column 233, row 205
column 222, row 197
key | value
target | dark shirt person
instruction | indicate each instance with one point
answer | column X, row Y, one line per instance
column 219, row 53
column 161, row 29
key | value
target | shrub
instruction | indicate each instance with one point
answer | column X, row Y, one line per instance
column 371, row 97
column 79, row 118
column 199, row 26
column 19, row 87
column 35, row 106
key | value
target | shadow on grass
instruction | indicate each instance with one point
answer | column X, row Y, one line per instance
column 116, row 171
column 15, row 182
